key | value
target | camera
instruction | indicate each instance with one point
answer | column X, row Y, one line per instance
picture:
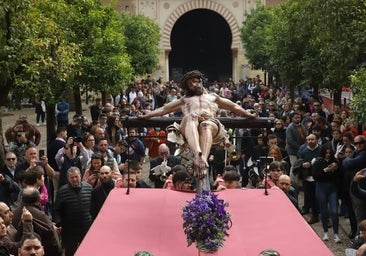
column 80, row 120
column 78, row 139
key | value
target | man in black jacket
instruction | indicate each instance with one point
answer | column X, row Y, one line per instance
column 99, row 194
column 71, row 211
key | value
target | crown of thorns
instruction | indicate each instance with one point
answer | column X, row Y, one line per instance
column 188, row 76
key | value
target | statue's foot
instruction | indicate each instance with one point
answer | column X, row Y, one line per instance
column 201, row 166
column 201, row 162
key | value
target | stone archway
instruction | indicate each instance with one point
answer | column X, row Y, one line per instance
column 205, row 4
column 202, row 4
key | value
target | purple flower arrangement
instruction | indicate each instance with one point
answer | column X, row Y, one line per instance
column 206, row 222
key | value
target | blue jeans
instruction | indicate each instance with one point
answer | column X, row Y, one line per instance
column 326, row 193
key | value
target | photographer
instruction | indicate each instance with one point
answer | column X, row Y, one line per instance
column 19, row 146
column 78, row 126
column 67, row 157
column 164, row 162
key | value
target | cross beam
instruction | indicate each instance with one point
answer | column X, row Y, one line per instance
column 228, row 122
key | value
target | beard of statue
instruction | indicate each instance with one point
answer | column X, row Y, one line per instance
column 197, row 91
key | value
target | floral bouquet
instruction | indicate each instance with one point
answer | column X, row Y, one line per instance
column 206, row 222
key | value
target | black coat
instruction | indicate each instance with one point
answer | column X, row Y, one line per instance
column 72, row 208
column 52, row 149
column 8, row 190
column 98, row 196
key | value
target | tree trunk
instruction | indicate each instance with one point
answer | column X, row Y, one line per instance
column 77, row 98
column 51, row 123
column 104, row 98
column 337, row 98
column 2, row 148
column 292, row 92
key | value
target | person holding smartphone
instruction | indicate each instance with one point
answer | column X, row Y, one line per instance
column 19, row 146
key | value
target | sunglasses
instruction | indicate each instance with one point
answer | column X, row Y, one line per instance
column 359, row 142
column 11, row 159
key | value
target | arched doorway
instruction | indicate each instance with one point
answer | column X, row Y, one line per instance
column 201, row 39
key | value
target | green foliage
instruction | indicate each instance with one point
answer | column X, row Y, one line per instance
column 50, row 46
column 37, row 49
column 253, row 35
column 105, row 65
column 358, row 102
column 309, row 43
column 143, row 42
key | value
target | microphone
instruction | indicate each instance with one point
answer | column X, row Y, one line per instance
column 265, row 183
column 128, row 178
column 128, row 160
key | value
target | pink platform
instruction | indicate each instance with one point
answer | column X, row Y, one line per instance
column 150, row 220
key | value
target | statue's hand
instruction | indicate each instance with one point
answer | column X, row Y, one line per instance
column 252, row 113
column 143, row 117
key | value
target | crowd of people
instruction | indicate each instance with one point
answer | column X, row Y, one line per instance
column 62, row 190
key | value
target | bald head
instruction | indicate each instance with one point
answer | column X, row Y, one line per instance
column 163, row 151
column 3, row 207
column 105, row 168
column 5, row 213
column 105, row 174
column 284, row 183
column 30, row 195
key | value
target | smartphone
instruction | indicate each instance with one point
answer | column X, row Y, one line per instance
column 41, row 153
column 364, row 173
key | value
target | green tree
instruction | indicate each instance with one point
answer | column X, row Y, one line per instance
column 358, row 101
column 38, row 56
column 254, row 34
column 314, row 43
column 143, row 36
column 105, row 65
column 339, row 33
column 290, row 44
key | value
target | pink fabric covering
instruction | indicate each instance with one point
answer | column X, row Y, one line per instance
column 150, row 220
